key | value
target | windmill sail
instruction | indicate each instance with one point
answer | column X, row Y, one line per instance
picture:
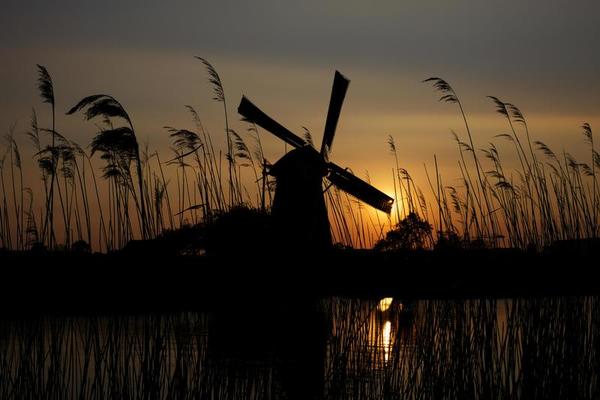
column 360, row 189
column 338, row 176
column 338, row 92
column 254, row 114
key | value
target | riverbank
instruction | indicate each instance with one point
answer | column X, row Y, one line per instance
column 55, row 282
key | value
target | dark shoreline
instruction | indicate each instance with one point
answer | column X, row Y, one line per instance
column 143, row 281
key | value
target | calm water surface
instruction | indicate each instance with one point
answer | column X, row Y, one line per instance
column 336, row 348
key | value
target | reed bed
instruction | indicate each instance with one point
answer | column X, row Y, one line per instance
column 475, row 349
column 548, row 196
column 103, row 195
column 129, row 357
column 115, row 190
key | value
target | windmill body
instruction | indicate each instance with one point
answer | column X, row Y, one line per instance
column 298, row 210
column 299, row 207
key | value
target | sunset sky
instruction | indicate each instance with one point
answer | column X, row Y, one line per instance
column 540, row 55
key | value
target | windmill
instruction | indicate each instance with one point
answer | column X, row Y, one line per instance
column 298, row 206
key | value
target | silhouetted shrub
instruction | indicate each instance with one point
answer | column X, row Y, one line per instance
column 240, row 232
column 81, row 247
column 448, row 240
column 187, row 240
column 412, row 233
column 38, row 248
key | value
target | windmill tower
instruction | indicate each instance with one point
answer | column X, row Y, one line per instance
column 299, row 208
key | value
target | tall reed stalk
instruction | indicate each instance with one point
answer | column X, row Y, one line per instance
column 46, row 89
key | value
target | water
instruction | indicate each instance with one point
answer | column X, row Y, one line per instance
column 336, row 348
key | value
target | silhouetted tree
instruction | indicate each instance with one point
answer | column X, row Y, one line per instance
column 411, row 233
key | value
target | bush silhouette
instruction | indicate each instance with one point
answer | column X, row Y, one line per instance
column 241, row 231
column 411, row 233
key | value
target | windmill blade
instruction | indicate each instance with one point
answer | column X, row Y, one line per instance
column 338, row 92
column 360, row 189
column 254, row 114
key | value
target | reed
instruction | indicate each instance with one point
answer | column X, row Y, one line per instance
column 219, row 96
column 119, row 146
column 46, row 88
column 530, row 206
column 481, row 195
column 476, row 349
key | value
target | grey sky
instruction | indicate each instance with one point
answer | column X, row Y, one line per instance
column 512, row 38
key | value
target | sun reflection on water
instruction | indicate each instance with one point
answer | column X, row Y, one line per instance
column 386, row 340
column 385, row 303
column 381, row 336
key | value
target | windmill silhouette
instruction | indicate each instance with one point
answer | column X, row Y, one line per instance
column 298, row 207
